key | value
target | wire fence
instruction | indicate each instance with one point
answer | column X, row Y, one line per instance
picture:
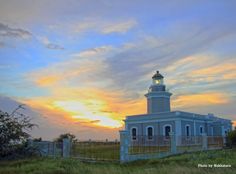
column 143, row 144
column 48, row 148
column 138, row 147
column 96, row 150
column 149, row 144
column 189, row 143
column 215, row 141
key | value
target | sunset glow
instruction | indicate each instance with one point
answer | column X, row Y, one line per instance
column 84, row 67
column 80, row 111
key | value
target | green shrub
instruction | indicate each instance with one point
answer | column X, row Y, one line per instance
column 14, row 129
column 232, row 138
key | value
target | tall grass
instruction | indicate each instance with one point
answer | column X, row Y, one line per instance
column 96, row 150
column 181, row 164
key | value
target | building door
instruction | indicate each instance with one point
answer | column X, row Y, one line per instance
column 167, row 131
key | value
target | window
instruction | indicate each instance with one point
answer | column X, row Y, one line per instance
column 201, row 130
column 167, row 131
column 150, row 133
column 212, row 131
column 187, row 128
column 134, row 133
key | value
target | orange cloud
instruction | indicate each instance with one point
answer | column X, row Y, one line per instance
column 61, row 121
column 224, row 70
column 200, row 68
column 91, row 107
column 82, row 92
column 101, row 106
column 200, row 99
column 47, row 80
column 187, row 64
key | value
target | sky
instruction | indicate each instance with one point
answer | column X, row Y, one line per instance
column 81, row 66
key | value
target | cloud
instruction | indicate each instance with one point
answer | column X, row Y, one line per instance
column 81, row 111
column 9, row 32
column 74, row 70
column 54, row 46
column 191, row 73
column 121, row 76
column 95, row 121
column 81, row 91
column 97, row 51
column 47, row 80
column 104, row 27
column 6, row 31
column 45, row 41
column 223, row 71
column 52, row 121
column 78, row 67
column 79, row 86
column 86, row 105
column 197, row 100
column 121, row 27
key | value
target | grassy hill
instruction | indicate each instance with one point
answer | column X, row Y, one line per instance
column 181, row 164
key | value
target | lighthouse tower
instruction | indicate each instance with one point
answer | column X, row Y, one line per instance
column 158, row 99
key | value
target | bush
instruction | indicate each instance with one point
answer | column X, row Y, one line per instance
column 66, row 135
column 232, row 138
column 13, row 134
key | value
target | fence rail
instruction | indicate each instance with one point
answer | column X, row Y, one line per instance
column 94, row 150
column 146, row 147
column 214, row 142
column 189, row 140
column 47, row 148
column 147, row 144
column 129, row 148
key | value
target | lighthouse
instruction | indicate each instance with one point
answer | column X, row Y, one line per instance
column 154, row 127
column 158, row 99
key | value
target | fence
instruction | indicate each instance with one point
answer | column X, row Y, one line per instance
column 139, row 147
column 147, row 147
column 83, row 150
column 147, row 144
column 96, row 150
column 53, row 149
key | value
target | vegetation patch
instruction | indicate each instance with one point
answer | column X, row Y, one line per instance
column 181, row 164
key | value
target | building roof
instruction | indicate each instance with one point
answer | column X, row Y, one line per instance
column 157, row 76
column 173, row 115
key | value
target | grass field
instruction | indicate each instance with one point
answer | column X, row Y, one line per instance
column 181, row 164
column 110, row 151
column 96, row 150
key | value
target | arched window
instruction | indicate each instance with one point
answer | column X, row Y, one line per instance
column 134, row 133
column 150, row 132
column 167, row 130
column 201, row 130
column 226, row 132
column 187, row 130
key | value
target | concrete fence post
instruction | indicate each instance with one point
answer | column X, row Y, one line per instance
column 66, row 148
column 124, row 146
column 173, row 144
column 204, row 141
column 54, row 149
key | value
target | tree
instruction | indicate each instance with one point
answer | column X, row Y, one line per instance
column 37, row 139
column 14, row 129
column 66, row 135
column 232, row 137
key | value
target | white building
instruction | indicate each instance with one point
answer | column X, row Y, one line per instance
column 160, row 120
